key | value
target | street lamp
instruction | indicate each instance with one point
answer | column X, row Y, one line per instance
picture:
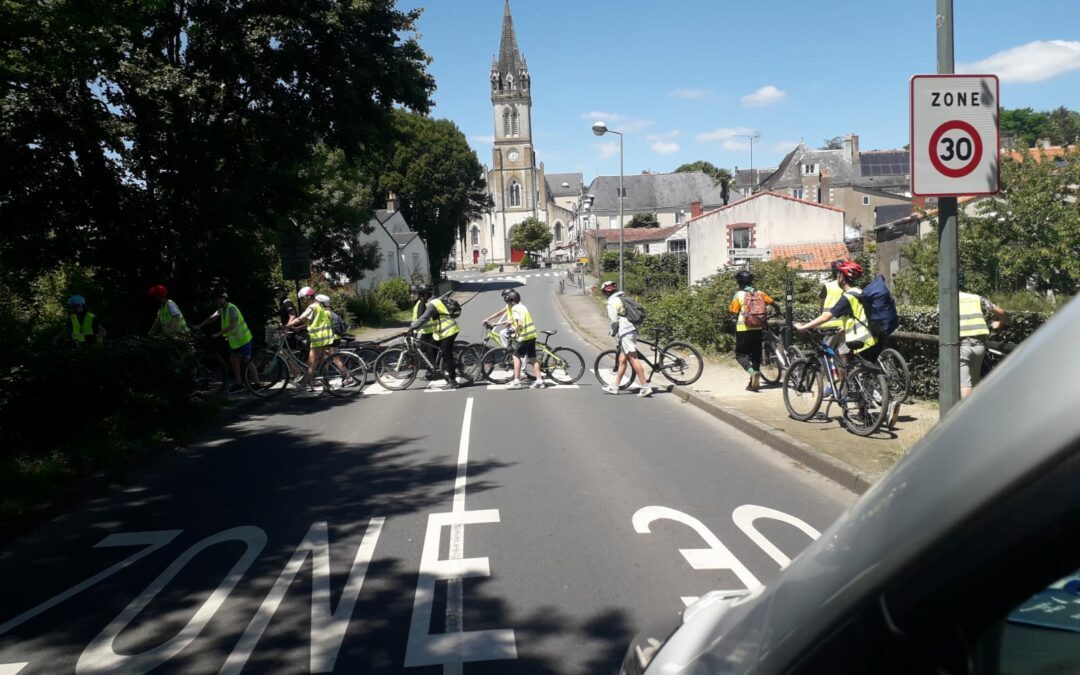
column 599, row 128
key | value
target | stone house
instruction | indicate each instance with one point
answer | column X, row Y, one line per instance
column 403, row 252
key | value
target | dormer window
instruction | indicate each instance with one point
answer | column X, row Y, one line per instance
column 810, row 169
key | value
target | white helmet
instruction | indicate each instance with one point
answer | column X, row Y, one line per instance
column 306, row 292
column 324, row 299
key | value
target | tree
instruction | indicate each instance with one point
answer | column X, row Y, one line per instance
column 1023, row 125
column 834, row 143
column 1063, row 126
column 438, row 179
column 644, row 220
column 722, row 177
column 531, row 235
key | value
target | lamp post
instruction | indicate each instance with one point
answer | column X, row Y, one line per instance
column 599, row 128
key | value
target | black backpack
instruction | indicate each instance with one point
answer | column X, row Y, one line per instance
column 340, row 328
column 633, row 312
column 452, row 306
column 881, row 314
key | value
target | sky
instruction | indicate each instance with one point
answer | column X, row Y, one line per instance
column 689, row 80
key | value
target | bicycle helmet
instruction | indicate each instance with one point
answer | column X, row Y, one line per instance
column 423, row 289
column 324, row 299
column 306, row 292
column 157, row 292
column 608, row 286
column 850, row 270
column 835, row 267
column 510, row 295
column 744, row 278
column 76, row 300
column 279, row 288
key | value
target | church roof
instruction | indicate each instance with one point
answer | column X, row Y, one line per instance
column 509, row 56
column 646, row 192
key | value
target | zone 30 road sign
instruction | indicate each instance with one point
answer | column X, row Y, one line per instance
column 954, row 135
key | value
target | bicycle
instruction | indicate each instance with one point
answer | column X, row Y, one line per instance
column 480, row 348
column 776, row 358
column 859, row 387
column 679, row 362
column 897, row 373
column 340, row 372
column 562, row 365
column 211, row 372
column 397, row 367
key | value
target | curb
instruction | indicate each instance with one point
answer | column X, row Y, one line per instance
column 815, row 460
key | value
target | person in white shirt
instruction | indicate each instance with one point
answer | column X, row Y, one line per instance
column 627, row 334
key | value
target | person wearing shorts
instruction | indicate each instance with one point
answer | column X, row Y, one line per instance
column 520, row 321
column 235, row 330
column 627, row 334
column 974, row 330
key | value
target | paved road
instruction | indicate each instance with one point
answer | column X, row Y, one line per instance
column 475, row 531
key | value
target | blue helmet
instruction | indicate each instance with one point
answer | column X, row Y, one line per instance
column 76, row 300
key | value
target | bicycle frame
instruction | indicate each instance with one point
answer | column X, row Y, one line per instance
column 644, row 359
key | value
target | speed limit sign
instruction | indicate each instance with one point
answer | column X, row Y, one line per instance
column 954, row 135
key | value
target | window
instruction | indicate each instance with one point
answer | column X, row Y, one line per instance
column 797, row 193
column 865, row 201
column 809, row 169
column 676, row 246
column 506, row 122
column 514, row 124
column 415, row 262
column 740, row 238
column 475, row 236
column 515, row 194
column 558, row 231
column 679, row 216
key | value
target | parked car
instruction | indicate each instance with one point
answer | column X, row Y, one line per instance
column 962, row 560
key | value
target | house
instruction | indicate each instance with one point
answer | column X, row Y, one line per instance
column 811, row 258
column 669, row 196
column 763, row 221
column 648, row 240
column 897, row 229
column 403, row 252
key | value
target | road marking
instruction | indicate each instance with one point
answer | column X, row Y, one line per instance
column 455, row 646
column 100, row 655
column 375, row 390
column 152, row 540
column 12, row 668
column 504, row 387
column 744, row 518
column 328, row 626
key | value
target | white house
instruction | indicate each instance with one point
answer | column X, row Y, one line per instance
column 760, row 222
column 403, row 251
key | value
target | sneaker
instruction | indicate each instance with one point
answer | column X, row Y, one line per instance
column 611, row 389
column 451, row 385
column 756, row 380
column 645, row 392
column 516, row 384
column 539, row 384
column 894, row 413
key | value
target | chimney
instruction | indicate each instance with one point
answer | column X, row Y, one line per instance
column 824, row 184
column 851, row 147
column 695, row 209
column 392, row 203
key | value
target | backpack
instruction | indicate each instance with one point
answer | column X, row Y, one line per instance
column 633, row 312
column 340, row 328
column 452, row 306
column 755, row 311
column 880, row 308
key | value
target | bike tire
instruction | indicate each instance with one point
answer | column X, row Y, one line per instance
column 606, row 366
column 272, row 373
column 803, row 389
column 344, row 374
column 467, row 362
column 211, row 376
column 563, row 365
column 396, row 369
column 368, row 355
column 681, row 363
column 772, row 367
column 897, row 373
column 497, row 365
column 793, row 354
column 866, row 403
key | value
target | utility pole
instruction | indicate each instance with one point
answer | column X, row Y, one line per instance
column 948, row 249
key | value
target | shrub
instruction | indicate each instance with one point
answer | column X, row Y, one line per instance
column 370, row 308
column 526, row 262
column 396, row 292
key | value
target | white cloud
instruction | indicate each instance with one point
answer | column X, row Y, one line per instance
column 1034, row 62
column 785, row 146
column 664, row 147
column 736, row 145
column 674, row 133
column 602, row 116
column 618, row 122
column 689, row 94
column 721, row 134
column 766, row 95
column 482, row 139
column 608, row 150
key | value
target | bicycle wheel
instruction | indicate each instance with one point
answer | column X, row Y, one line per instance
column 343, row 374
column 681, row 363
column 771, row 365
column 793, row 354
column 896, row 372
column 564, row 365
column 396, row 368
column 267, row 375
column 211, row 376
column 368, row 355
column 802, row 389
column 865, row 402
column 607, row 366
column 497, row 365
column 467, row 361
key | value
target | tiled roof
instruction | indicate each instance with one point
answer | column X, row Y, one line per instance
column 810, row 257
column 1038, row 154
column 636, row 235
column 759, row 195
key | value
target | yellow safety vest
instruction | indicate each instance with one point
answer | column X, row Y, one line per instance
column 428, row 328
column 445, row 326
column 856, row 327
column 972, row 321
column 833, row 293
column 80, row 333
column 321, row 329
column 240, row 335
column 165, row 317
column 523, row 325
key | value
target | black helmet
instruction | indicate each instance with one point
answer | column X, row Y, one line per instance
column 422, row 289
column 279, row 288
column 510, row 295
column 744, row 278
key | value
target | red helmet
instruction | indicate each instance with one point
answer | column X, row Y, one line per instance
column 850, row 269
column 158, row 292
column 608, row 286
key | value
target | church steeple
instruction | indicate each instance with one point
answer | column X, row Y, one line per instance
column 509, row 72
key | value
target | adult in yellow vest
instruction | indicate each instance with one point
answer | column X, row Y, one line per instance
column 830, row 295
column 444, row 329
column 320, row 327
column 749, row 338
column 520, row 319
column 169, row 320
column 421, row 295
column 974, row 330
column 83, row 327
column 236, row 331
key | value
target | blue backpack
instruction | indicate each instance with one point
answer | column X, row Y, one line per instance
column 880, row 308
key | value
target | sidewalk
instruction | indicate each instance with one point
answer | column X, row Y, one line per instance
column 821, row 445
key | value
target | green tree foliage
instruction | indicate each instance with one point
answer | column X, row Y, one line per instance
column 722, row 177
column 834, row 143
column 531, row 235
column 438, row 179
column 1063, row 126
column 643, row 220
column 1023, row 125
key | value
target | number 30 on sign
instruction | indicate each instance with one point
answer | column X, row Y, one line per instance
column 954, row 135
